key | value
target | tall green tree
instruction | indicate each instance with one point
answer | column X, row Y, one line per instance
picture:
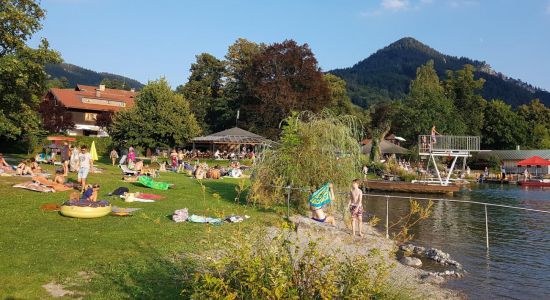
column 427, row 105
column 503, row 128
column 537, row 115
column 159, row 118
column 340, row 103
column 22, row 79
column 204, row 89
column 463, row 89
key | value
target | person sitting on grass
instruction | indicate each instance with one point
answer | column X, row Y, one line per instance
column 4, row 164
column 90, row 194
column 59, row 177
column 356, row 207
column 138, row 166
column 324, row 196
column 35, row 167
column 23, row 168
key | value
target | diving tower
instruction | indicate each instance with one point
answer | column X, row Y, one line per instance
column 447, row 146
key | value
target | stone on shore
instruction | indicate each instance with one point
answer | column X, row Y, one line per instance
column 411, row 261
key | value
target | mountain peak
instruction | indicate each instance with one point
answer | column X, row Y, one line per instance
column 387, row 74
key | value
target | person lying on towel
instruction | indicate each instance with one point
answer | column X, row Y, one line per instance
column 59, row 178
column 317, row 200
column 90, row 194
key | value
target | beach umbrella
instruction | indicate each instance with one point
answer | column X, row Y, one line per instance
column 93, row 151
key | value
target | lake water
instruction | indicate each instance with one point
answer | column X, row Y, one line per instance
column 517, row 265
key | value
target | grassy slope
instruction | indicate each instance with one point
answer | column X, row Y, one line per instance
column 131, row 257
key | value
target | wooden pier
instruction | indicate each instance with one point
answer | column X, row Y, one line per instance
column 407, row 187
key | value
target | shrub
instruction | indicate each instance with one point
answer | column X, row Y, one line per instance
column 313, row 149
column 262, row 268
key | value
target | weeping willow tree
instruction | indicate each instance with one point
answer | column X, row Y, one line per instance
column 313, row 149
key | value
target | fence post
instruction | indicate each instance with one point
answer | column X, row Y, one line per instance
column 486, row 228
column 289, row 187
column 387, row 217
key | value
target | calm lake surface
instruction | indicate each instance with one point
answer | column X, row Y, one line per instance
column 517, row 265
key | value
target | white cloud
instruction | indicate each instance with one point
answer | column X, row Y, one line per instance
column 548, row 8
column 462, row 3
column 395, row 4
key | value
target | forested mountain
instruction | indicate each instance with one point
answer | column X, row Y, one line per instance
column 387, row 74
column 78, row 75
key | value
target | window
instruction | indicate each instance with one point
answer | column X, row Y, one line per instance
column 90, row 116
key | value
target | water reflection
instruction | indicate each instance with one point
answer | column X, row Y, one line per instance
column 517, row 265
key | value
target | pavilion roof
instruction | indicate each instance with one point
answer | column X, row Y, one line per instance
column 233, row 135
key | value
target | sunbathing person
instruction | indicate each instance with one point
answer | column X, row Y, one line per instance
column 138, row 166
column 200, row 171
column 59, row 177
column 24, row 169
column 4, row 165
column 35, row 167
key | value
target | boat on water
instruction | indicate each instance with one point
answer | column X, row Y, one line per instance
column 409, row 187
column 535, row 183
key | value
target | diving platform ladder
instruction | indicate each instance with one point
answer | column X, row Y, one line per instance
column 447, row 146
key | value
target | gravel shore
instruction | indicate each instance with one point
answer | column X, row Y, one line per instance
column 338, row 238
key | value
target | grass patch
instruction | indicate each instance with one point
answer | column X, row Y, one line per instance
column 143, row 256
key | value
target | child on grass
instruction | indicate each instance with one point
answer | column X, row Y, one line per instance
column 90, row 194
column 356, row 207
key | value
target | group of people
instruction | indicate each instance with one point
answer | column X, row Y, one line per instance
column 232, row 155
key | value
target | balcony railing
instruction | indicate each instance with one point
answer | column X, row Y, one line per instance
column 447, row 143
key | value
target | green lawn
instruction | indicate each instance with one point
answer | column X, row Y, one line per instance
column 143, row 256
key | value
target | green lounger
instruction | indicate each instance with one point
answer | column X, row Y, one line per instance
column 150, row 183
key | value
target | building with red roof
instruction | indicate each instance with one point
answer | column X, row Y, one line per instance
column 85, row 103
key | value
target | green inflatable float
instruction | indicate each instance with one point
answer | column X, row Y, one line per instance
column 150, row 183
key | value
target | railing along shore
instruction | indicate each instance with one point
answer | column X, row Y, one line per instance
column 289, row 188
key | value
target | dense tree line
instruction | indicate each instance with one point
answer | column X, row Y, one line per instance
column 456, row 107
column 265, row 83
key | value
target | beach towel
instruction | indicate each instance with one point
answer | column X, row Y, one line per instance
column 149, row 196
column 203, row 219
column 150, row 183
column 123, row 211
column 33, row 186
column 321, row 196
column 131, row 197
column 236, row 219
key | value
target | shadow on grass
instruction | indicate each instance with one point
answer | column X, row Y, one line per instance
column 148, row 275
column 226, row 190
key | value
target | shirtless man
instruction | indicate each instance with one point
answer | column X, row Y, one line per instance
column 356, row 207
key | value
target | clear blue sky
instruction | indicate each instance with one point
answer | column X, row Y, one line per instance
column 149, row 39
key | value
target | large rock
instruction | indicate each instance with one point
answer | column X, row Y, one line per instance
column 411, row 261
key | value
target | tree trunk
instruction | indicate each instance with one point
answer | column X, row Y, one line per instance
column 377, row 137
